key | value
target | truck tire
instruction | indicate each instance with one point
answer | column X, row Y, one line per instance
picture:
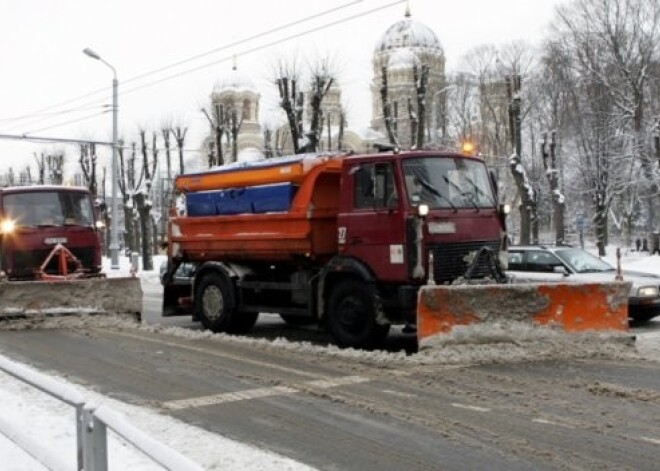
column 215, row 306
column 352, row 316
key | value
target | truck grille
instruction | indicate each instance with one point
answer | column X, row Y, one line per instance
column 449, row 263
column 25, row 262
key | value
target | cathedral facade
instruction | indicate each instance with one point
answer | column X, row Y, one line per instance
column 404, row 46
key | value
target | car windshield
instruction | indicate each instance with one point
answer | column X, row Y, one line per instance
column 448, row 182
column 583, row 262
column 49, row 208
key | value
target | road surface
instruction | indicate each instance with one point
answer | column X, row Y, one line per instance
column 339, row 412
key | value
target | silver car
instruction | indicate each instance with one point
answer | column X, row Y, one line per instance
column 541, row 263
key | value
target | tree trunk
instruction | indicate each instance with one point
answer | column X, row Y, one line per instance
column 387, row 110
column 144, row 210
column 552, row 174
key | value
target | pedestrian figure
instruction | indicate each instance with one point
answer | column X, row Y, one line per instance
column 638, row 244
column 645, row 245
column 656, row 243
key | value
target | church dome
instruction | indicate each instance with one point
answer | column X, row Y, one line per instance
column 402, row 59
column 408, row 33
column 235, row 81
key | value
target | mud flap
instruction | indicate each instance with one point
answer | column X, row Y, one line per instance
column 20, row 299
column 572, row 307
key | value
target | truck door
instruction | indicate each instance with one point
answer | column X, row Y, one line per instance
column 373, row 229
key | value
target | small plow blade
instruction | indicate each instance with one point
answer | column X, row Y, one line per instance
column 22, row 299
column 572, row 307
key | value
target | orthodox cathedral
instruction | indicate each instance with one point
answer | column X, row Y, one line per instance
column 404, row 45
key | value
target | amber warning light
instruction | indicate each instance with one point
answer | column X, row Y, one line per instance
column 467, row 148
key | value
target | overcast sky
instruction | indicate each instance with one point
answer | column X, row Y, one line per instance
column 44, row 70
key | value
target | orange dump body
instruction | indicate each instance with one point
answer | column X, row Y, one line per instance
column 308, row 230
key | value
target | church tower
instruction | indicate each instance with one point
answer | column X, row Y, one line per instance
column 236, row 91
column 405, row 44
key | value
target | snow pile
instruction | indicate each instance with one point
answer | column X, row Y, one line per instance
column 477, row 344
column 522, row 342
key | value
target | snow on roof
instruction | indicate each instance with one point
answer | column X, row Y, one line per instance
column 402, row 59
column 408, row 33
column 235, row 81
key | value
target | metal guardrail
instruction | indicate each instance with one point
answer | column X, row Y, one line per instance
column 91, row 429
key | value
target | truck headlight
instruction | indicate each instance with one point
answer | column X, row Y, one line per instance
column 100, row 224
column 423, row 210
column 7, row 226
column 648, row 292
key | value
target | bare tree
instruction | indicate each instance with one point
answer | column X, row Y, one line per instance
column 88, row 161
column 287, row 78
column 218, row 123
column 548, row 151
column 528, row 194
column 41, row 168
column 420, row 80
column 613, row 44
column 143, row 199
column 180, row 137
column 55, row 167
column 387, row 110
column 127, row 185
column 322, row 79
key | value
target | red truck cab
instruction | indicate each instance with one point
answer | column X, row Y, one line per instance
column 34, row 219
column 379, row 220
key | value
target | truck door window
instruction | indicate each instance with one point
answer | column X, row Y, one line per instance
column 374, row 186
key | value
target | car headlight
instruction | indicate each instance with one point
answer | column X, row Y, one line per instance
column 648, row 292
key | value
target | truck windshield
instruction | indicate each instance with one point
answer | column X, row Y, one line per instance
column 46, row 208
column 448, row 182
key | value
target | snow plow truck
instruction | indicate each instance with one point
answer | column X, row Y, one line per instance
column 50, row 257
column 358, row 243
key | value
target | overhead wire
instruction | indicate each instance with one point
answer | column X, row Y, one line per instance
column 265, row 46
column 215, row 62
column 67, row 122
column 184, row 61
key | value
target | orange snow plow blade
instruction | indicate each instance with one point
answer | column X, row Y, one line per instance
column 572, row 307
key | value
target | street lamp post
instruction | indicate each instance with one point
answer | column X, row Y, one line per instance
column 114, row 243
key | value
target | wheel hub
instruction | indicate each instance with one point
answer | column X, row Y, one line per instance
column 212, row 303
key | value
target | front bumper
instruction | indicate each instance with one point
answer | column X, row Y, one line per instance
column 643, row 308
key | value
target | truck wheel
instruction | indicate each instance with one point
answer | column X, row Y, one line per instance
column 214, row 302
column 215, row 306
column 352, row 316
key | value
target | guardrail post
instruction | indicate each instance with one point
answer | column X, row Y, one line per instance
column 80, row 424
column 95, row 442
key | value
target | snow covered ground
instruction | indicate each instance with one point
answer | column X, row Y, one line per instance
column 51, row 422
